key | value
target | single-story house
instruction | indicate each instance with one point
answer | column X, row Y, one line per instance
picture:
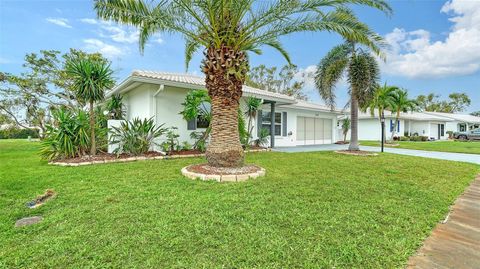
column 160, row 95
column 459, row 122
column 410, row 123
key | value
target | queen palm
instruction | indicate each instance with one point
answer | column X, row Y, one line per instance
column 90, row 80
column 382, row 99
column 227, row 30
column 362, row 73
column 401, row 103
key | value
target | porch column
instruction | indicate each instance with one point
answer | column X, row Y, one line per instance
column 272, row 124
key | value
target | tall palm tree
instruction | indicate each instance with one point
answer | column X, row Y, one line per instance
column 401, row 103
column 382, row 100
column 90, row 80
column 227, row 30
column 362, row 73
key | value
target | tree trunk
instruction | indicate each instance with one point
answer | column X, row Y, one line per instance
column 93, row 149
column 354, row 122
column 225, row 73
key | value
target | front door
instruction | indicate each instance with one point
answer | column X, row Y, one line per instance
column 441, row 131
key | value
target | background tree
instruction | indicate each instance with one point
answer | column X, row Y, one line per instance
column 115, row 107
column 44, row 85
column 283, row 81
column 228, row 30
column 476, row 113
column 362, row 73
column 382, row 100
column 90, row 80
column 457, row 102
column 401, row 103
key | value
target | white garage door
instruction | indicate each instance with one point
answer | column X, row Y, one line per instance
column 312, row 131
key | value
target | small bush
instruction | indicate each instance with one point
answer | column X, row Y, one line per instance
column 424, row 138
column 186, row 145
column 171, row 143
column 262, row 139
column 404, row 138
column 135, row 137
column 17, row 133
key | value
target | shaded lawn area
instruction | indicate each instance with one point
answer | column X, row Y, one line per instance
column 314, row 210
column 443, row 146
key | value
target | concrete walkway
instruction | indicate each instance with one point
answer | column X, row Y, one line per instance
column 455, row 243
column 461, row 157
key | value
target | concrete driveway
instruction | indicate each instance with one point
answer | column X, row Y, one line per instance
column 460, row 157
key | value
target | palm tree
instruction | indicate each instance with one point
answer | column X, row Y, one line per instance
column 252, row 105
column 115, row 107
column 382, row 100
column 362, row 73
column 90, row 80
column 401, row 103
column 227, row 30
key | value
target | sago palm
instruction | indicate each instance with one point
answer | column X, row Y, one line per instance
column 91, row 79
column 401, row 103
column 227, row 30
column 381, row 101
column 362, row 73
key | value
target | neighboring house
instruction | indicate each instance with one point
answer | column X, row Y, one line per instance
column 410, row 123
column 160, row 95
column 459, row 122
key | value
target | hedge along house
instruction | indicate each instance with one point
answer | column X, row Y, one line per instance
column 159, row 95
column 409, row 123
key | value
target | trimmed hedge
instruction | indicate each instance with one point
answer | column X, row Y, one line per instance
column 16, row 133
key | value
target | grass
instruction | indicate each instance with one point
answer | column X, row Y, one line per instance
column 312, row 210
column 472, row 147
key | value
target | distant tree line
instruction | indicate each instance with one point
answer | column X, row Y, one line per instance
column 457, row 102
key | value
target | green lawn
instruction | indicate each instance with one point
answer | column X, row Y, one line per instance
column 312, row 210
column 445, row 146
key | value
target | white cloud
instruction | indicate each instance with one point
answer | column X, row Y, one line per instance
column 414, row 54
column 60, row 22
column 107, row 50
column 307, row 75
column 120, row 34
column 89, row 21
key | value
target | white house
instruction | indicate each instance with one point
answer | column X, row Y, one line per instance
column 410, row 123
column 160, row 95
column 459, row 122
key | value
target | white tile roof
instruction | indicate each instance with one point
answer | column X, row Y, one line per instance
column 200, row 81
column 457, row 117
column 419, row 116
column 312, row 106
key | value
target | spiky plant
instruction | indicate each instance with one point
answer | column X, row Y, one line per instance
column 252, row 104
column 91, row 79
column 227, row 30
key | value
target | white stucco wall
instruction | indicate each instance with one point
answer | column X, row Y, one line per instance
column 371, row 129
column 138, row 102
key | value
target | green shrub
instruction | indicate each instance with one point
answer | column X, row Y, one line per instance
column 17, row 133
column 262, row 139
column 404, row 138
column 424, row 138
column 186, row 145
column 135, row 137
column 171, row 143
column 68, row 137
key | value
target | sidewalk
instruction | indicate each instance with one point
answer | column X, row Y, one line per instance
column 456, row 243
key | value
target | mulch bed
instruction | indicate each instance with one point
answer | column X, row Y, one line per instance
column 107, row 156
column 185, row 152
column 211, row 170
column 357, row 152
column 342, row 142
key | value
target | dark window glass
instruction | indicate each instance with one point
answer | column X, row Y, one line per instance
column 202, row 122
column 278, row 129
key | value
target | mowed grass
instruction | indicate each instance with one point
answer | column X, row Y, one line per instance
column 312, row 210
column 472, row 147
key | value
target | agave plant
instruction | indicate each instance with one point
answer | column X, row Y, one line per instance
column 68, row 136
column 227, row 30
column 135, row 137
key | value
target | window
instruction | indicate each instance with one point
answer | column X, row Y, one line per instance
column 202, row 122
column 462, row 127
column 266, row 122
column 442, row 129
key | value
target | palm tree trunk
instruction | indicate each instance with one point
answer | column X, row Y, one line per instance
column 250, row 129
column 354, row 122
column 225, row 91
column 93, row 149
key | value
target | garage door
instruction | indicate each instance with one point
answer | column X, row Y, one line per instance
column 313, row 131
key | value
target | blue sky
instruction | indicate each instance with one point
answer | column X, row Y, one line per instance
column 435, row 45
